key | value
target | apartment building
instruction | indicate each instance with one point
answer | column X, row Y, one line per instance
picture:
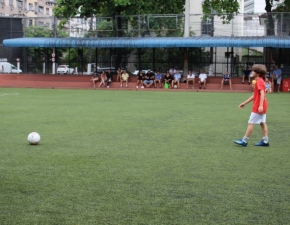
column 257, row 6
column 37, row 12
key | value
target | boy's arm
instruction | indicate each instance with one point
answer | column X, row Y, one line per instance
column 246, row 102
column 262, row 98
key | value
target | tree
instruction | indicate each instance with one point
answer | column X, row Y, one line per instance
column 38, row 55
column 116, row 9
column 87, row 8
column 224, row 8
column 232, row 6
column 283, row 7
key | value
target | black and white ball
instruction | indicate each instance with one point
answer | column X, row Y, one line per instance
column 33, row 138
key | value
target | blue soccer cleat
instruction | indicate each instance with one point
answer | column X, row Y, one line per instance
column 262, row 143
column 240, row 142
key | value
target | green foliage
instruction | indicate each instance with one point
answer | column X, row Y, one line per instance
column 72, row 57
column 283, row 7
column 36, row 55
column 117, row 7
column 224, row 8
column 123, row 26
column 232, row 6
column 140, row 157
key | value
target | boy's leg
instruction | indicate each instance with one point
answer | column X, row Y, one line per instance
column 264, row 129
column 265, row 139
column 249, row 131
column 244, row 140
column 222, row 84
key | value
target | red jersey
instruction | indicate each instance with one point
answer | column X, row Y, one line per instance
column 260, row 85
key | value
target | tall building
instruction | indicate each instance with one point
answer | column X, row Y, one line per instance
column 36, row 12
column 222, row 58
column 26, row 8
column 257, row 6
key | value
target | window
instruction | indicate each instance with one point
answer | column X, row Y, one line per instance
column 30, row 23
column 284, row 27
column 30, row 7
column 47, row 11
column 2, row 1
column 206, row 27
column 40, row 9
column 19, row 4
column 11, row 2
column 249, row 7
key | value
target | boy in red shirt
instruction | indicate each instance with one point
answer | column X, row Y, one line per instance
column 259, row 109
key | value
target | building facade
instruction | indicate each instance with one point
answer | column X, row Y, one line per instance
column 26, row 8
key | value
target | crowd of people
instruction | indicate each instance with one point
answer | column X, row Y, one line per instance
column 172, row 79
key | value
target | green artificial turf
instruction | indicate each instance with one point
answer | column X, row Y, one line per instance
column 137, row 157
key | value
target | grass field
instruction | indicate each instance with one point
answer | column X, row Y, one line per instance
column 133, row 157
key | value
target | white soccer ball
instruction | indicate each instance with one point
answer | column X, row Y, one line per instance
column 33, row 138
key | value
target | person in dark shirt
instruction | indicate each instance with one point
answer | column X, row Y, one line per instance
column 168, row 79
column 109, row 78
column 246, row 75
column 226, row 80
column 140, row 79
column 152, row 76
column 148, row 82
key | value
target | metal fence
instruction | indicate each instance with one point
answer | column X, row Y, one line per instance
column 215, row 60
column 166, row 25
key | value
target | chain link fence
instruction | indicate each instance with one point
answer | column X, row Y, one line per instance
column 215, row 60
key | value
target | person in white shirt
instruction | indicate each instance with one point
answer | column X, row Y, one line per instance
column 202, row 79
column 190, row 78
column 172, row 71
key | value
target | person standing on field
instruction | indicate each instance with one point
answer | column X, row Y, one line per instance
column 259, row 109
column 277, row 75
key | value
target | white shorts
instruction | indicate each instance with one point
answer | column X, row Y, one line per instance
column 256, row 118
column 279, row 81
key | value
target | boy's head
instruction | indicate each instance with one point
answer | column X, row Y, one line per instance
column 259, row 70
